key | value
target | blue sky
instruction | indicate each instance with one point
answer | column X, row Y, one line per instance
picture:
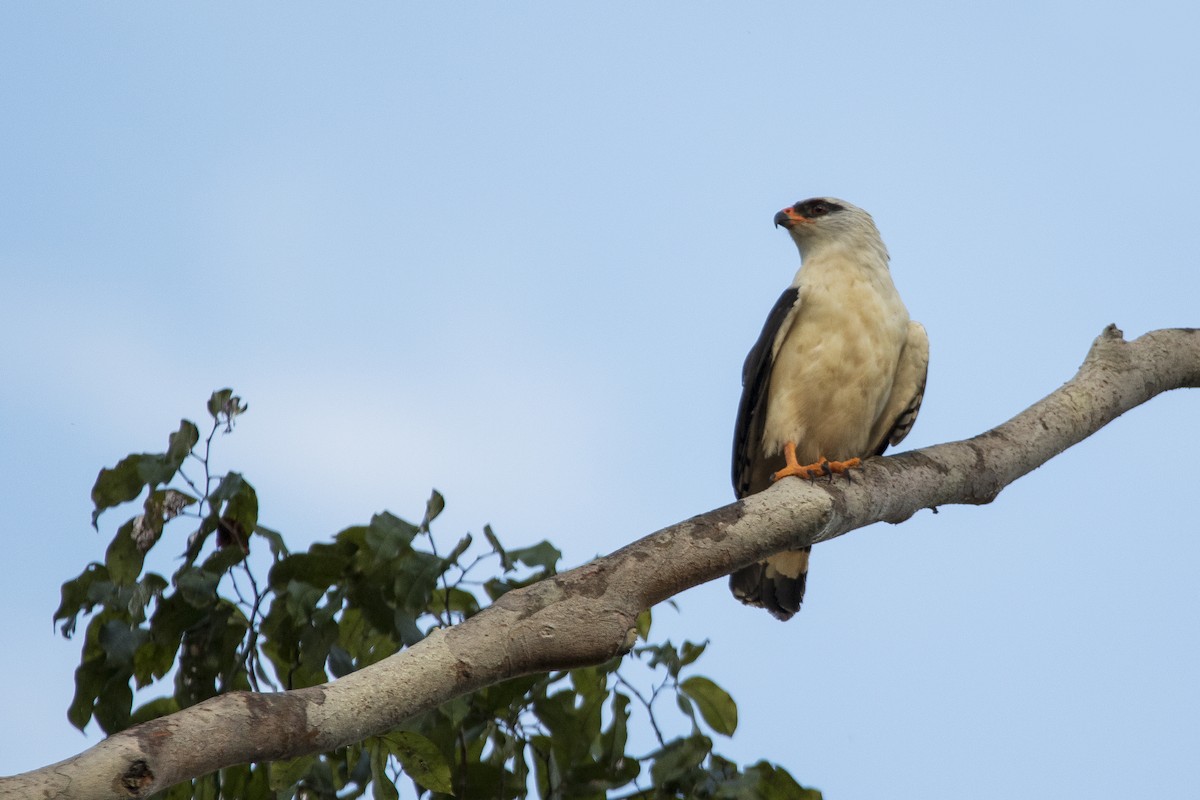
column 518, row 253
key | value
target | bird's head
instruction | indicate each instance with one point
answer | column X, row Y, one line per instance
column 826, row 221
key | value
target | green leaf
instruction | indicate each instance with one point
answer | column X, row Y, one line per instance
column 675, row 762
column 90, row 677
column 118, row 485
column 218, row 400
column 207, row 658
column 229, row 487
column 153, row 660
column 172, row 616
column 119, row 642
column 197, row 586
column 149, row 588
column 169, row 503
column 235, row 781
column 160, row 507
column 415, row 579
column 205, row 788
column 318, row 783
column 82, row 594
column 358, row 764
column 543, row 554
column 113, row 704
column 546, row 768
column 195, row 542
column 388, row 536
column 320, row 567
column 126, row 480
column 123, row 557
column 715, row 704
column 764, row 781
column 497, row 587
column 274, row 540
column 179, row 445
column 434, row 506
column 382, row 787
column 286, row 774
column 501, row 699
column 455, row 711
column 505, row 562
column 221, row 561
column 590, row 683
column 664, row 655
column 458, row 550
column 689, row 652
column 158, row 707
column 685, row 706
column 455, row 599
column 643, row 625
column 614, row 739
column 239, row 510
column 406, row 629
column 420, row 759
column 224, row 406
column 573, row 730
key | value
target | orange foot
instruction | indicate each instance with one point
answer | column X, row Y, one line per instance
column 810, row 471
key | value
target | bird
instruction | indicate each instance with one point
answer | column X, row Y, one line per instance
column 837, row 375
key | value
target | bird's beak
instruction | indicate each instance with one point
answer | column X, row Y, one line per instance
column 788, row 218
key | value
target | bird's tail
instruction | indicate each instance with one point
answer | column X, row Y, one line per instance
column 776, row 584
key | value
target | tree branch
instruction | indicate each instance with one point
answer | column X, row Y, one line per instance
column 587, row 615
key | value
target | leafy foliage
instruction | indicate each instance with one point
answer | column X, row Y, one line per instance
column 217, row 625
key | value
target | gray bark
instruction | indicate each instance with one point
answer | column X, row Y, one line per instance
column 587, row 615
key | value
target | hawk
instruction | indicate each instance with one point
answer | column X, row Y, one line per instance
column 836, row 375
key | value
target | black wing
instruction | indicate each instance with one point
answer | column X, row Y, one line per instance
column 908, row 389
column 749, row 475
column 903, row 423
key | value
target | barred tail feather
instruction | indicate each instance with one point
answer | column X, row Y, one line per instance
column 776, row 584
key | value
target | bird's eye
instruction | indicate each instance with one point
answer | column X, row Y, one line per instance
column 818, row 210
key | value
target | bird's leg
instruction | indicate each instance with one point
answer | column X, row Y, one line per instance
column 809, row 471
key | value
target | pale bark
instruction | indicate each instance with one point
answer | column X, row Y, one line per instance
column 587, row 615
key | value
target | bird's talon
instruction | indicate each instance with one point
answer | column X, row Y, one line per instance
column 812, row 471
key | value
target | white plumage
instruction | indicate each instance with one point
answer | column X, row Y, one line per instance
column 837, row 373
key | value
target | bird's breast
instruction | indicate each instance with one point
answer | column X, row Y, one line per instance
column 834, row 365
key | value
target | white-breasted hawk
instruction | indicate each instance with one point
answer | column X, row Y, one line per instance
column 837, row 375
